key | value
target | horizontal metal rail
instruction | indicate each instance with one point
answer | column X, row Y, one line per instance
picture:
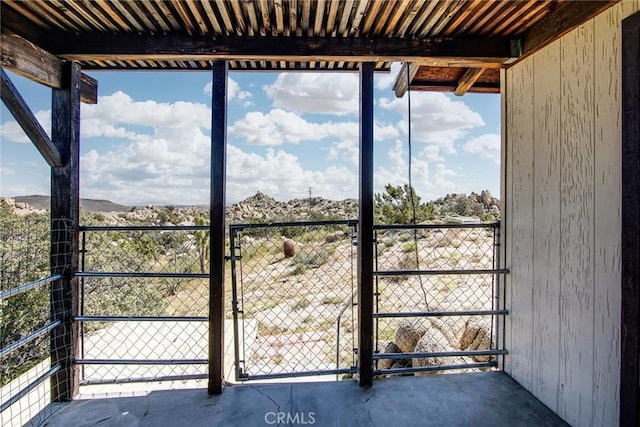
column 488, row 225
column 442, row 313
column 350, row 222
column 418, row 355
column 140, row 319
column 434, row 368
column 141, row 361
column 299, row 374
column 42, row 378
column 440, row 272
column 28, row 286
column 146, row 379
column 141, row 274
column 32, row 336
column 143, row 228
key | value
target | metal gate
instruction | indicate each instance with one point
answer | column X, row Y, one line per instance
column 438, row 304
column 294, row 298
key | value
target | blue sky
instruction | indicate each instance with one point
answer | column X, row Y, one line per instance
column 147, row 139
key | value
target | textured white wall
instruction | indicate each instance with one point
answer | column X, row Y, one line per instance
column 562, row 168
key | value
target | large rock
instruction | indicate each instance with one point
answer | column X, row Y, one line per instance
column 388, row 363
column 290, row 248
column 431, row 342
column 476, row 336
column 408, row 334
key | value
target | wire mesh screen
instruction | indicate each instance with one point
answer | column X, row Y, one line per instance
column 144, row 303
column 294, row 296
column 27, row 292
column 436, row 297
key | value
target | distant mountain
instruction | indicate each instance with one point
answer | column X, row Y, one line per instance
column 90, row 205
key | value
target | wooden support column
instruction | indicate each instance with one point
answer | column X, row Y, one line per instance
column 365, row 228
column 217, row 227
column 630, row 240
column 65, row 213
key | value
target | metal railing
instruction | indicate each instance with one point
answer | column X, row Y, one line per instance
column 27, row 320
column 293, row 302
column 143, row 303
column 437, row 300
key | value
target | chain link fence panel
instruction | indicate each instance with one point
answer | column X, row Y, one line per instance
column 294, row 292
column 436, row 297
column 27, row 293
column 144, row 304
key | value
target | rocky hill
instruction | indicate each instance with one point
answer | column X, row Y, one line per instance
column 483, row 205
column 38, row 202
column 260, row 208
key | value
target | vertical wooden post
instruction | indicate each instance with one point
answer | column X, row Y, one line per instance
column 65, row 205
column 217, row 227
column 630, row 240
column 365, row 228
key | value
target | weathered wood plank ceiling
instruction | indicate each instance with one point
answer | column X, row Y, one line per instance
column 288, row 34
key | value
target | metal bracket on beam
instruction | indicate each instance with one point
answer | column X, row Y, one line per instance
column 516, row 48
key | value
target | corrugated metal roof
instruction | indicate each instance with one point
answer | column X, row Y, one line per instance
column 404, row 19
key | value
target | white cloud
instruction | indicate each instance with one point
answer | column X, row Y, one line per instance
column 102, row 119
column 157, row 167
column 348, row 148
column 487, row 146
column 169, row 161
column 276, row 127
column 233, row 91
column 280, row 175
column 430, row 179
column 385, row 80
column 324, row 93
column 121, row 108
column 12, row 132
column 137, row 174
column 436, row 119
column 5, row 171
column 279, row 127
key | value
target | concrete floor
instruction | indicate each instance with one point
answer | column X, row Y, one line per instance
column 474, row 399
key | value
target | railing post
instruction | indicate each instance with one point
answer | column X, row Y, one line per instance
column 217, row 227
column 65, row 213
column 365, row 231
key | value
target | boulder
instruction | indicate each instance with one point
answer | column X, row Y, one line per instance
column 388, row 363
column 431, row 342
column 408, row 334
column 333, row 237
column 290, row 248
column 476, row 336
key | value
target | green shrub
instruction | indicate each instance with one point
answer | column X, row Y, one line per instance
column 409, row 246
column 394, row 206
column 24, row 257
column 304, row 261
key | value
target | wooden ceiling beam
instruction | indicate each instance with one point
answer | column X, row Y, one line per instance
column 401, row 85
column 28, row 60
column 440, row 86
column 467, row 80
column 470, row 52
column 559, row 22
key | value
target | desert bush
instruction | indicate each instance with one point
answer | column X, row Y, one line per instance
column 24, row 256
column 394, row 206
column 304, row 261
